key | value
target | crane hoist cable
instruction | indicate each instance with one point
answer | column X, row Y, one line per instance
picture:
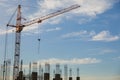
column 39, row 39
column 5, row 54
column 39, row 45
column 6, row 45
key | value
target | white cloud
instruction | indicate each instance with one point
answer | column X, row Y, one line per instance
column 102, row 51
column 104, row 36
column 71, row 61
column 101, row 77
column 82, row 35
column 107, row 51
column 88, row 8
column 92, row 36
column 116, row 58
column 56, row 20
column 74, row 61
column 2, row 32
column 53, row 29
column 94, row 7
column 74, row 34
column 84, row 20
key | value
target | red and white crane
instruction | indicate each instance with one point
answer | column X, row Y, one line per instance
column 19, row 27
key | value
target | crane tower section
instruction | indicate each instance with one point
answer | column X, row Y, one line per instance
column 17, row 44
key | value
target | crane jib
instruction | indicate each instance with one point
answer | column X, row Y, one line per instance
column 38, row 20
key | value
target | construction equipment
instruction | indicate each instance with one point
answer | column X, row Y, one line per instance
column 19, row 27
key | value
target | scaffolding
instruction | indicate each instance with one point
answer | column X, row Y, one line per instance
column 57, row 68
column 1, row 72
column 37, row 73
column 70, row 74
column 65, row 72
column 47, row 68
column 47, row 72
column 8, row 67
column 5, row 70
column 34, row 67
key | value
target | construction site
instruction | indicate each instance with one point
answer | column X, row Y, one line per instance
column 35, row 71
column 40, row 72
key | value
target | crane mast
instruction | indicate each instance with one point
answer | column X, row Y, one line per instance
column 19, row 27
column 17, row 44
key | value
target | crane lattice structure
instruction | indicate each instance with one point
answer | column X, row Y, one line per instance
column 19, row 27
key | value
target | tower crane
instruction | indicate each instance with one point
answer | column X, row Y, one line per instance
column 19, row 27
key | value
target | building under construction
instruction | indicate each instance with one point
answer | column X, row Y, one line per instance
column 37, row 71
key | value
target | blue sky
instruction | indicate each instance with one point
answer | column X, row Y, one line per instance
column 88, row 37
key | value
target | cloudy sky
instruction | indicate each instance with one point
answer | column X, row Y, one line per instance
column 87, row 37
